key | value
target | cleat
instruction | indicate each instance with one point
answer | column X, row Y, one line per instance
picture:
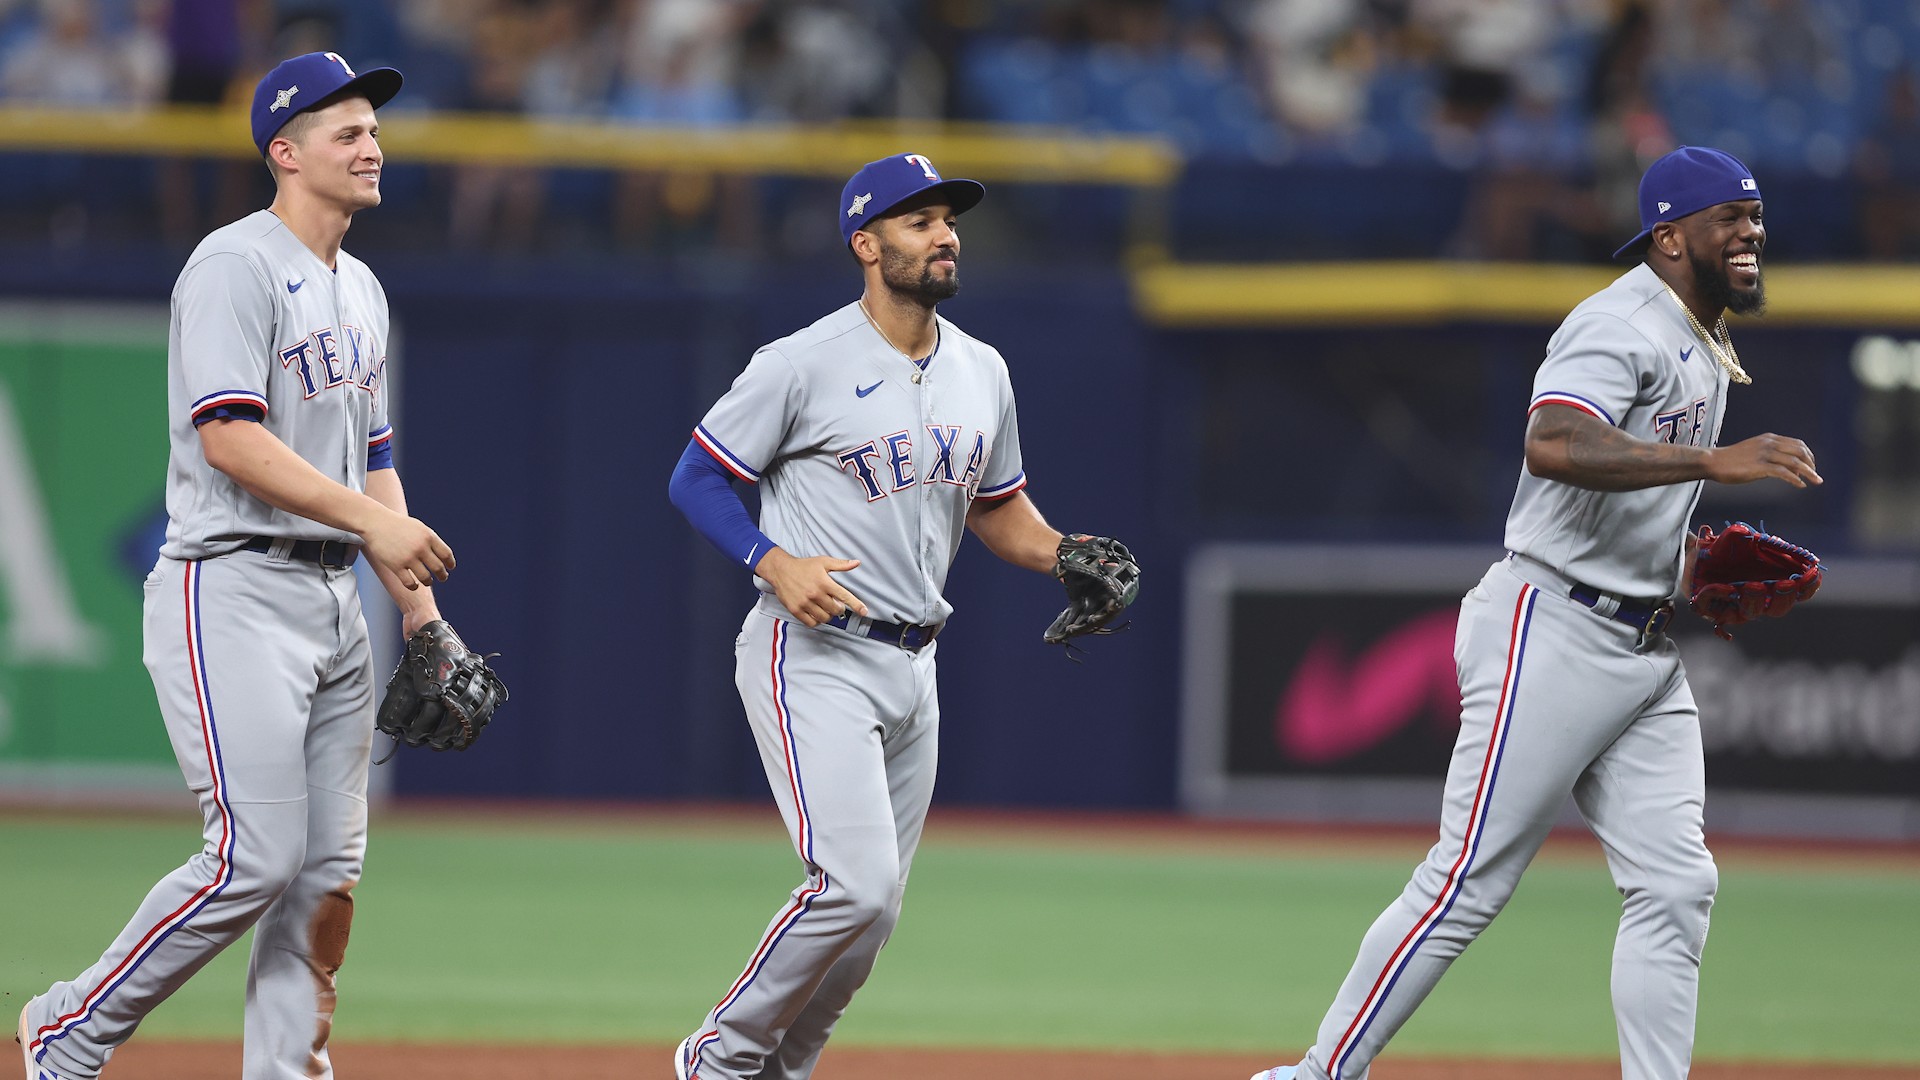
column 682, row 1059
column 1280, row 1072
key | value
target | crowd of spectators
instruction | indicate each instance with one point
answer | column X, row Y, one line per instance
column 1551, row 107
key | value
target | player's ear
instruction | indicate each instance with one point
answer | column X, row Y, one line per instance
column 866, row 247
column 1668, row 240
column 281, row 153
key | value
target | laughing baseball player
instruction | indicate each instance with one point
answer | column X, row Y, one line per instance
column 1568, row 681
column 280, row 476
column 875, row 435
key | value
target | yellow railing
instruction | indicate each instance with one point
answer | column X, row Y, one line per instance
column 1223, row 294
column 988, row 152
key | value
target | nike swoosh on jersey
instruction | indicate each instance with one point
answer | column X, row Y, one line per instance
column 294, row 286
column 864, row 391
column 1332, row 710
column 1686, row 352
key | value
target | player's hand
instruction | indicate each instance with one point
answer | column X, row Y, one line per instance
column 806, row 587
column 414, row 553
column 1779, row 457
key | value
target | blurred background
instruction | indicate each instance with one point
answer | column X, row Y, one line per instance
column 1272, row 277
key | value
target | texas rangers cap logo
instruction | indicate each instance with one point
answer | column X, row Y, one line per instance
column 860, row 204
column 283, row 99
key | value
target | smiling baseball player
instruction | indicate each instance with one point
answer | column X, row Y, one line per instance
column 280, row 476
column 1568, row 682
column 876, row 436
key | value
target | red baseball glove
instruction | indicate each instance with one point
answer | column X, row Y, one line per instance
column 1742, row 573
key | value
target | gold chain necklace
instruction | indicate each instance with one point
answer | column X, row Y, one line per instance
column 876, row 328
column 1726, row 357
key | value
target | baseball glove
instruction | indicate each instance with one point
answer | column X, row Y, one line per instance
column 1101, row 579
column 1742, row 573
column 442, row 695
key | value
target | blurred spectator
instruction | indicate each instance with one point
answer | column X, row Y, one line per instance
column 1628, row 130
column 1315, row 58
column 498, row 205
column 66, row 61
column 215, row 49
column 1888, row 172
column 816, row 61
column 681, row 64
column 572, row 72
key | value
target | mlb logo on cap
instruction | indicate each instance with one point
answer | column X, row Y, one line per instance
column 308, row 80
column 1687, row 181
column 881, row 185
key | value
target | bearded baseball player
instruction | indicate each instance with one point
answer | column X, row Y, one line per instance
column 1568, row 681
column 280, row 475
column 875, row 435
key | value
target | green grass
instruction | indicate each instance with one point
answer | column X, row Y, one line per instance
column 617, row 932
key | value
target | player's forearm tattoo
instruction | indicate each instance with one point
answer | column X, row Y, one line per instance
column 1589, row 453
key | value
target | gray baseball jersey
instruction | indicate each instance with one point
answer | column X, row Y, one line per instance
column 1628, row 356
column 1563, row 697
column 859, row 455
column 260, row 662
column 259, row 321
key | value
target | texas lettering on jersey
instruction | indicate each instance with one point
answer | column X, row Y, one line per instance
column 318, row 361
column 1682, row 425
column 882, row 472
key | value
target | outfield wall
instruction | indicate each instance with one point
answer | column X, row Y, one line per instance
column 545, row 404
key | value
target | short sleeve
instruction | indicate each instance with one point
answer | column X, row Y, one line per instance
column 746, row 428
column 1594, row 364
column 226, row 334
column 1005, row 472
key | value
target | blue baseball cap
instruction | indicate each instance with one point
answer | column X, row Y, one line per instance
column 881, row 185
column 1687, row 181
column 307, row 80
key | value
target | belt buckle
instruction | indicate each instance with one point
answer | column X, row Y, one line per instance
column 1657, row 621
column 900, row 639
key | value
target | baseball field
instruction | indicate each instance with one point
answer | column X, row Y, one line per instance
column 528, row 942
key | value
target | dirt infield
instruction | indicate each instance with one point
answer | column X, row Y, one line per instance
column 159, row 1060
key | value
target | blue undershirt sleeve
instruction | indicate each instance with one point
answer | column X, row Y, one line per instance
column 702, row 488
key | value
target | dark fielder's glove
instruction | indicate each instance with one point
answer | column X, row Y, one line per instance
column 442, row 694
column 1101, row 579
column 1743, row 573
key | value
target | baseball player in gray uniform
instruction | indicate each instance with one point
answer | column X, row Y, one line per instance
column 280, row 476
column 1568, row 682
column 875, row 435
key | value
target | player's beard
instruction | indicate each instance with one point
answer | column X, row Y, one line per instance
column 913, row 278
column 1714, row 283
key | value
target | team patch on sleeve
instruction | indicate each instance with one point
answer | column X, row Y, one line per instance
column 233, row 399
column 725, row 456
column 1585, row 405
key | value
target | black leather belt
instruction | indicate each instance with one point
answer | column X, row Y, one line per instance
column 1647, row 616
column 908, row 636
column 329, row 553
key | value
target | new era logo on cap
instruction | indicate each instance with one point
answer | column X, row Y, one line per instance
column 1687, row 181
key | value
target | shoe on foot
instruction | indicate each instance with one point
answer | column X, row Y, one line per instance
column 683, row 1059
column 34, row 1071
column 1280, row 1072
